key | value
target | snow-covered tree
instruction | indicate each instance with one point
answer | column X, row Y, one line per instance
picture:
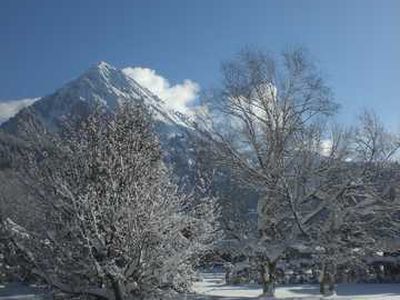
column 353, row 215
column 257, row 126
column 112, row 223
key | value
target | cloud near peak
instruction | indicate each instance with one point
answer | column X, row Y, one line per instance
column 10, row 108
column 179, row 97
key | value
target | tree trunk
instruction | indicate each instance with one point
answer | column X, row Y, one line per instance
column 327, row 282
column 268, row 278
column 116, row 286
column 227, row 277
column 228, row 271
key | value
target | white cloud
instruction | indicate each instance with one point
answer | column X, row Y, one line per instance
column 9, row 108
column 326, row 147
column 179, row 97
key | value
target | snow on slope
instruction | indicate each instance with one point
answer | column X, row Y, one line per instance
column 109, row 86
column 213, row 285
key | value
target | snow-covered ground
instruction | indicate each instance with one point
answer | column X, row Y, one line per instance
column 213, row 288
column 213, row 285
column 17, row 291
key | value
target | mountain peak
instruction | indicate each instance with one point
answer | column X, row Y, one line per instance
column 101, row 68
column 103, row 64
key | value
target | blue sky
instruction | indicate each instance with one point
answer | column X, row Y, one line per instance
column 45, row 43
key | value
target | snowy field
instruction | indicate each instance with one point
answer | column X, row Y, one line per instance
column 213, row 287
column 20, row 291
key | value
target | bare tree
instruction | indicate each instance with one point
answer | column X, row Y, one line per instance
column 257, row 126
column 353, row 216
column 114, row 226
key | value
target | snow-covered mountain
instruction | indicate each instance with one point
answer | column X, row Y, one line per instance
column 103, row 85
